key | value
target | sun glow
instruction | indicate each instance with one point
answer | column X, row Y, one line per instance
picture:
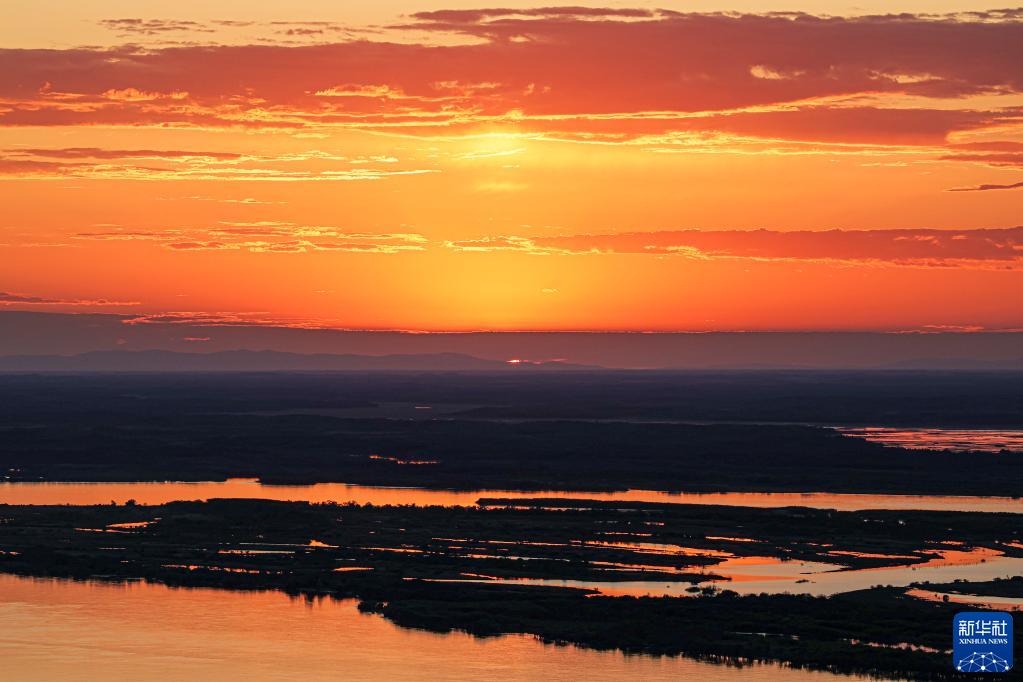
column 492, row 187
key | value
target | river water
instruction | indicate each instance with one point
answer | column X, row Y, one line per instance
column 162, row 492
column 61, row 630
column 956, row 440
column 769, row 575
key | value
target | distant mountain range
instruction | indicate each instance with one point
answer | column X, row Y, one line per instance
column 36, row 341
column 260, row 361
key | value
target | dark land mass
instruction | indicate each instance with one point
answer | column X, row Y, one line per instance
column 893, row 398
column 685, row 431
column 260, row 361
column 393, row 557
column 533, row 430
column 557, row 455
column 1011, row 587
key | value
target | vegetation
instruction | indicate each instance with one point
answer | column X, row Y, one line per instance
column 1006, row 587
column 429, row 567
column 446, row 568
column 564, row 431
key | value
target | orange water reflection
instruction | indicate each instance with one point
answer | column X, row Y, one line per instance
column 162, row 492
column 757, row 575
column 55, row 630
column 986, row 602
column 979, row 440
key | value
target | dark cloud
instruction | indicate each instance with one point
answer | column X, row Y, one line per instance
column 8, row 299
column 987, row 187
column 1004, row 160
column 574, row 71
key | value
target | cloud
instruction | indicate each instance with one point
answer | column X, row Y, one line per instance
column 189, row 165
column 206, row 319
column 480, row 17
column 985, row 248
column 281, row 237
column 1002, row 160
column 149, row 27
column 179, row 32
column 221, row 319
column 97, row 153
column 266, row 236
column 987, row 187
column 549, row 71
column 362, row 246
column 202, row 246
column 128, row 235
column 30, row 167
column 9, row 299
column 295, row 246
column 918, row 247
column 504, row 243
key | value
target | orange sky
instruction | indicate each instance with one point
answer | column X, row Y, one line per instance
column 410, row 165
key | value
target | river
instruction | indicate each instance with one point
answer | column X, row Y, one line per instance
column 163, row 492
column 63, row 630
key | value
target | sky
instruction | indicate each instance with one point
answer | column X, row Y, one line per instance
column 446, row 166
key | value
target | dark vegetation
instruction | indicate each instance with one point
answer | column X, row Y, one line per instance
column 583, row 430
column 402, row 551
column 603, row 430
column 853, row 633
column 881, row 398
column 1004, row 587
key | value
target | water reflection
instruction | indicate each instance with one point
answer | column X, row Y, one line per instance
column 959, row 440
column 163, row 492
column 56, row 630
column 758, row 575
column 984, row 602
